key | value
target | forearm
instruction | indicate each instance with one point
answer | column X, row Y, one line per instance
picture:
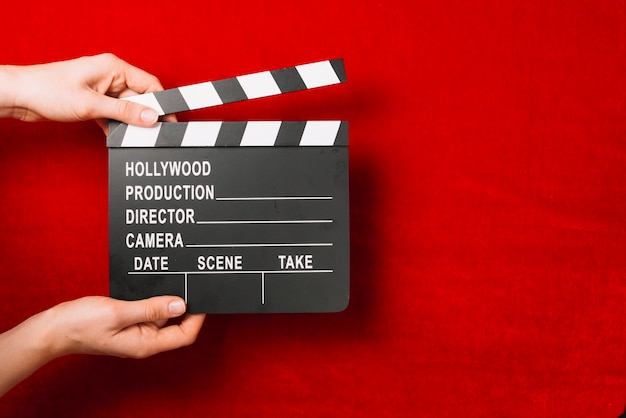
column 24, row 349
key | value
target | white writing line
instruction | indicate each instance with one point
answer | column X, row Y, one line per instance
column 227, row 272
column 304, row 221
column 262, row 288
column 277, row 198
column 185, row 287
column 313, row 244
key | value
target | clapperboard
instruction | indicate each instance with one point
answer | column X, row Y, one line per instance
column 232, row 216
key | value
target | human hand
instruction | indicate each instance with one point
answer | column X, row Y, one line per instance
column 95, row 325
column 136, row 329
column 79, row 89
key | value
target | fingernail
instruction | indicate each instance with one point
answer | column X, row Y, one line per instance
column 176, row 307
column 149, row 116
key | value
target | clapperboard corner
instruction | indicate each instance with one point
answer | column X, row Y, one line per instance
column 235, row 217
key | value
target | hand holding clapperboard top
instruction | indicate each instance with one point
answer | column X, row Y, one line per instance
column 232, row 216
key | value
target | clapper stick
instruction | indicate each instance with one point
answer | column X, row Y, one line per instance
column 229, row 134
column 245, row 216
column 244, row 87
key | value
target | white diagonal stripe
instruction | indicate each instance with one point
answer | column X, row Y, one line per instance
column 201, row 134
column 146, row 100
column 260, row 134
column 136, row 136
column 318, row 74
column 198, row 96
column 320, row 133
column 258, row 85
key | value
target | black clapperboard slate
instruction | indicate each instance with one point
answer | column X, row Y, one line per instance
column 234, row 217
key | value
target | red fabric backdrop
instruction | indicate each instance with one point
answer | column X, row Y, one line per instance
column 488, row 209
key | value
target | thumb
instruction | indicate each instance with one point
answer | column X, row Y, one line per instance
column 152, row 310
column 125, row 111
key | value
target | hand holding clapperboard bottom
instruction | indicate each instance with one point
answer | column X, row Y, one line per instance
column 232, row 216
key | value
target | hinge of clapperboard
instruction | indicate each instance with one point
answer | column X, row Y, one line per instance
column 230, row 90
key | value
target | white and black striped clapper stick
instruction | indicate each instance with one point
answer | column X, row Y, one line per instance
column 231, row 134
column 230, row 90
column 245, row 87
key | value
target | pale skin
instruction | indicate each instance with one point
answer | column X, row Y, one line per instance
column 76, row 90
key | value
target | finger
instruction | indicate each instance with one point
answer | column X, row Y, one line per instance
column 104, row 125
column 127, row 93
column 130, row 93
column 181, row 335
column 161, row 322
column 139, row 80
column 150, row 310
column 169, row 118
column 192, row 322
column 123, row 111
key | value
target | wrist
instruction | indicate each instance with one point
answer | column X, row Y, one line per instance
column 29, row 345
column 42, row 332
column 8, row 91
column 24, row 349
column 54, row 338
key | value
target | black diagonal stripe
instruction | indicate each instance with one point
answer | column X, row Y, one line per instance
column 289, row 134
column 171, row 134
column 116, row 134
column 171, row 101
column 229, row 90
column 342, row 134
column 340, row 70
column 288, row 80
column 230, row 134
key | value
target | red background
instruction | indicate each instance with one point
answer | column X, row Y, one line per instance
column 488, row 209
